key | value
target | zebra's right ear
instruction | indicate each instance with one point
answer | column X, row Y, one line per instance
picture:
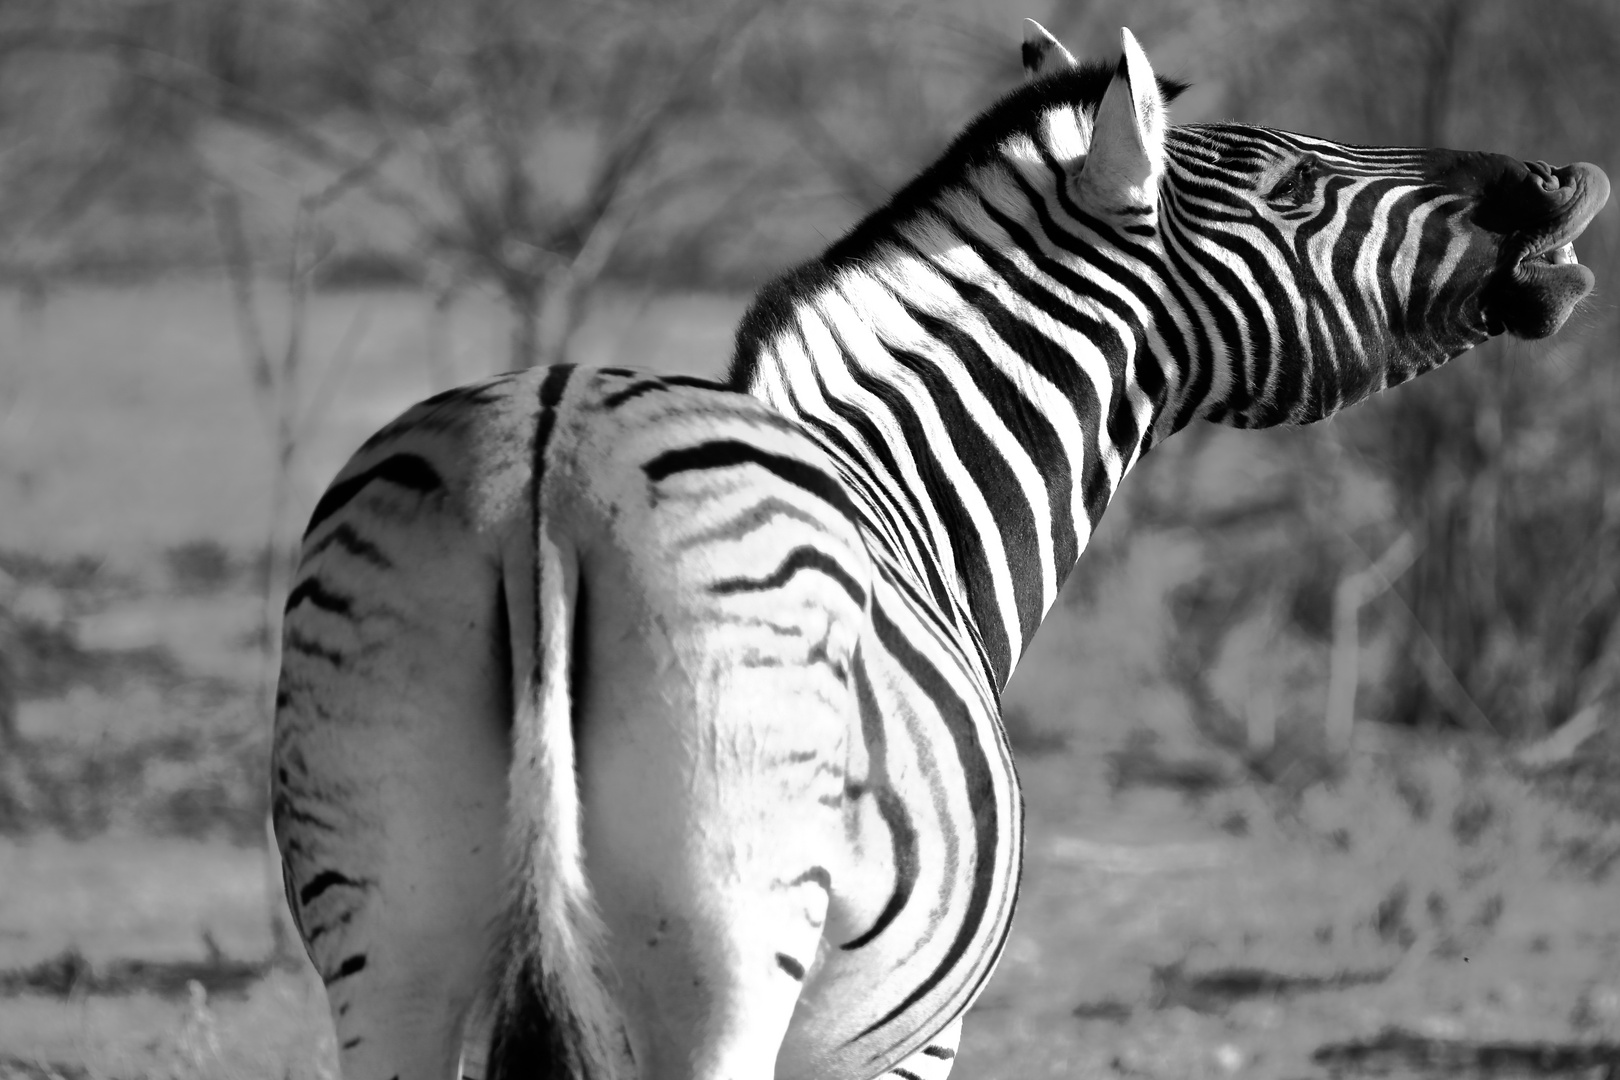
column 1126, row 157
column 1043, row 53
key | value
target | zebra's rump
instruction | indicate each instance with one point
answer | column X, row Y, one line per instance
column 715, row 511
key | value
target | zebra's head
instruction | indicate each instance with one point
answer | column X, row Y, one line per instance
column 1322, row 271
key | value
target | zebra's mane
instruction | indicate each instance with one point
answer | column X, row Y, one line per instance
column 1018, row 113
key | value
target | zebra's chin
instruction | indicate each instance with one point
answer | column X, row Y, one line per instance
column 1535, row 295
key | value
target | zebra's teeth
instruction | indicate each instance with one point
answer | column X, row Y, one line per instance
column 1562, row 256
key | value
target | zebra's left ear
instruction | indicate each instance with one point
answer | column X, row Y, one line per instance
column 1043, row 53
column 1126, row 157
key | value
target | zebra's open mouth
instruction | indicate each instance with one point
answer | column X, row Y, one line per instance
column 1561, row 256
column 1547, row 280
column 1572, row 196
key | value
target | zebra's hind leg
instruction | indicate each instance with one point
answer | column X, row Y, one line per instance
column 389, row 793
column 400, row 922
column 711, row 839
column 400, row 926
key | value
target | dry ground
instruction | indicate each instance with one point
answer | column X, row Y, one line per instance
column 1424, row 914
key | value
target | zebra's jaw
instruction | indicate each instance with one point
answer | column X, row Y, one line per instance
column 1536, row 295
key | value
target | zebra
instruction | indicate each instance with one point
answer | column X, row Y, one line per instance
column 638, row 725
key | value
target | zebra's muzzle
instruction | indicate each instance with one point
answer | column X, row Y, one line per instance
column 1544, row 280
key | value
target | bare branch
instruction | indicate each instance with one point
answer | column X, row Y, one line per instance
column 239, row 272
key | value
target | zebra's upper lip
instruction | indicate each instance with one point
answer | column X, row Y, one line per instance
column 1540, row 280
column 1577, row 192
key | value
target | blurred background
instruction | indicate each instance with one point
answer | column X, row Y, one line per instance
column 1322, row 741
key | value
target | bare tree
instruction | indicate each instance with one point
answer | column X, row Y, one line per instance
column 526, row 139
column 540, row 128
column 291, row 412
column 871, row 92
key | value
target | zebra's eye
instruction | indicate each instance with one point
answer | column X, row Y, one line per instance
column 1297, row 184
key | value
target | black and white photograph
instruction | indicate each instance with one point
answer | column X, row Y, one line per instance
column 809, row 540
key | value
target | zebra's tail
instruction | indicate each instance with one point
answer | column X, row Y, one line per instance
column 553, row 1017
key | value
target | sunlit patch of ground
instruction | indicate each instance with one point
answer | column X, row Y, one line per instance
column 1151, row 941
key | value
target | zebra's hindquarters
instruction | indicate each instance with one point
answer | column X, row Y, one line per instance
column 656, row 595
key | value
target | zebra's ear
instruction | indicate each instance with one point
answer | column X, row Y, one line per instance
column 1126, row 157
column 1043, row 53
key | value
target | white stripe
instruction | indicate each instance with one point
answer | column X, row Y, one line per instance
column 831, row 315
column 962, row 262
column 1319, row 249
column 860, row 323
column 797, row 366
column 935, row 294
column 921, row 285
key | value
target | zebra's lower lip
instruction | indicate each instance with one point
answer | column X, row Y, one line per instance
column 1536, row 298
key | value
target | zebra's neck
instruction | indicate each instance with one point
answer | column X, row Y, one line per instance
column 984, row 392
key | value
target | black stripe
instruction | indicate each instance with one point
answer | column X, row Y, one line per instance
column 942, row 620
column 891, row 808
column 803, row 557
column 944, row 1053
column 896, row 516
column 817, row 875
column 794, row 969
column 1010, row 511
column 977, row 779
column 972, row 564
column 405, row 470
column 1039, row 439
column 757, row 516
column 1059, row 366
column 326, row 879
column 298, row 643
column 550, row 392
column 732, row 453
column 905, row 1074
column 630, row 393
column 352, row 966
column 350, row 540
column 1053, row 362
column 694, row 381
column 312, row 590
column 1236, row 309
column 1183, row 256
column 1185, row 354
column 440, row 412
column 657, row 382
column 1149, row 377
